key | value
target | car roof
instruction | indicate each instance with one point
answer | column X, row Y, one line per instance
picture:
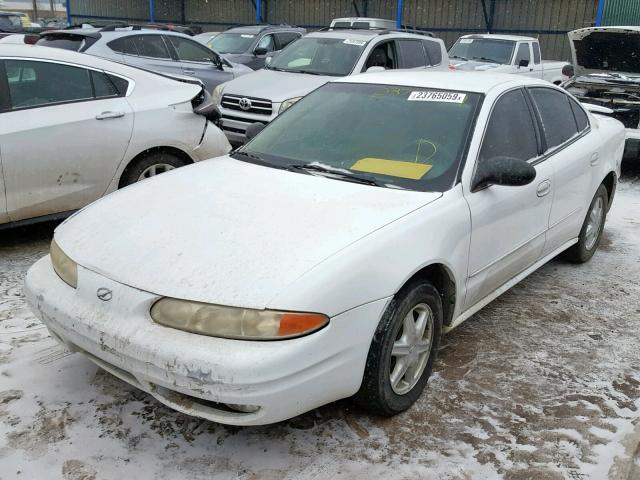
column 254, row 29
column 494, row 36
column 478, row 82
column 111, row 34
column 360, row 34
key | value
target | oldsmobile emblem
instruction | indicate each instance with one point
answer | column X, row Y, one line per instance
column 104, row 294
column 244, row 103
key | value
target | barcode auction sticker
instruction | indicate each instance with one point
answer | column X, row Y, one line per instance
column 436, row 96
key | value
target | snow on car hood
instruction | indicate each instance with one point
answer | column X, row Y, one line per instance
column 275, row 86
column 474, row 65
column 225, row 231
column 605, row 50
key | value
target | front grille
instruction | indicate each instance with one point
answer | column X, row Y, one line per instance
column 260, row 106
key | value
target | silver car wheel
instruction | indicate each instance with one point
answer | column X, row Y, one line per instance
column 594, row 223
column 155, row 169
column 411, row 350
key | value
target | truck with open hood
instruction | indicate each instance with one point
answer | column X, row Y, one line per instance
column 607, row 76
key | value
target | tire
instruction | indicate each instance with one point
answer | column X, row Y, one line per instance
column 377, row 394
column 588, row 240
column 144, row 167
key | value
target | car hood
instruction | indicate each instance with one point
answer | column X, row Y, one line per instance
column 225, row 231
column 592, row 50
column 275, row 86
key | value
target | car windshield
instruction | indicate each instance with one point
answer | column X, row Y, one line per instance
column 232, row 42
column 320, row 56
column 396, row 137
column 483, row 49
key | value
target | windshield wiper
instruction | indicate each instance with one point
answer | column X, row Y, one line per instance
column 340, row 175
column 485, row 59
column 253, row 158
column 461, row 58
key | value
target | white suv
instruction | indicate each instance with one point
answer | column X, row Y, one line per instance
column 314, row 60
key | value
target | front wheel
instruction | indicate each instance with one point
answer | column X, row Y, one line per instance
column 591, row 232
column 149, row 166
column 403, row 350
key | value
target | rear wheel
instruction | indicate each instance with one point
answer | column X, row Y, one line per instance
column 403, row 350
column 591, row 232
column 149, row 166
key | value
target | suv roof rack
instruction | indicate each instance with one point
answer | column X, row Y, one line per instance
column 149, row 26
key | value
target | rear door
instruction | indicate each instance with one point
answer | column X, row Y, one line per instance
column 509, row 224
column 571, row 148
column 63, row 138
column 198, row 61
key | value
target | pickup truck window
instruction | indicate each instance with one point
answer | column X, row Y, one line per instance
column 523, row 54
column 397, row 136
column 557, row 117
column 412, row 54
column 484, row 49
column 511, row 130
column 434, row 52
column 536, row 52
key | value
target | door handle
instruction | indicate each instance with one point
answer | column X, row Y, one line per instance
column 543, row 188
column 108, row 115
column 594, row 159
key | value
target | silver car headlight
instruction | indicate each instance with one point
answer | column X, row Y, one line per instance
column 288, row 103
column 233, row 322
column 216, row 96
column 66, row 268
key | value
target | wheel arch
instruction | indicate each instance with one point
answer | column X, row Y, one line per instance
column 610, row 182
column 442, row 278
column 151, row 151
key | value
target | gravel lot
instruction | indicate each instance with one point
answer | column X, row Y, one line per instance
column 544, row 383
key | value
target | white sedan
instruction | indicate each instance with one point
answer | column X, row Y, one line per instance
column 325, row 258
column 75, row 127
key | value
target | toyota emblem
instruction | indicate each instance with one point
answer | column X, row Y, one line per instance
column 245, row 103
column 104, row 294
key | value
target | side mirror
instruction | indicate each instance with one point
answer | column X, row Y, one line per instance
column 375, row 69
column 568, row 70
column 254, row 129
column 258, row 52
column 505, row 171
column 523, row 63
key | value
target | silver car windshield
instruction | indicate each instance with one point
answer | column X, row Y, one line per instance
column 232, row 42
column 391, row 136
column 320, row 56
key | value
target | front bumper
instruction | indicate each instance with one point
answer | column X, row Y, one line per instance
column 234, row 123
column 200, row 375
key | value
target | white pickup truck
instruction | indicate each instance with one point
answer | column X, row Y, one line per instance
column 504, row 54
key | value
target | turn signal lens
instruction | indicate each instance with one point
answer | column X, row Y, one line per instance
column 66, row 268
column 232, row 322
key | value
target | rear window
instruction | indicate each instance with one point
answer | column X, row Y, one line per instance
column 75, row 43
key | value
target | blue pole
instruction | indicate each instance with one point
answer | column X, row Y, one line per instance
column 258, row 12
column 600, row 13
column 399, row 15
column 68, row 5
column 152, row 13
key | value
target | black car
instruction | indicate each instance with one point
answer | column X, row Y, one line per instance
column 249, row 45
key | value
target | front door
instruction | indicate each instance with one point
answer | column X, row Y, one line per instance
column 509, row 224
column 63, row 138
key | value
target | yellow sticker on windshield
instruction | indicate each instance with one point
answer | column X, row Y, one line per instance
column 392, row 168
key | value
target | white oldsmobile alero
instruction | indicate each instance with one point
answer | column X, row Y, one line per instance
column 325, row 258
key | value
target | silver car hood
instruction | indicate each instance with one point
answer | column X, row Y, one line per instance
column 275, row 86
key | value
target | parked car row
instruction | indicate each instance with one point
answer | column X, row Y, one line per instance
column 381, row 199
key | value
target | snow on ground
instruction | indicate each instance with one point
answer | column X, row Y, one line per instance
column 542, row 384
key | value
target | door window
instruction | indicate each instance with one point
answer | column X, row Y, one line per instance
column 523, row 54
column 148, row 46
column 190, row 51
column 411, row 53
column 581, row 116
column 285, row 38
column 267, row 42
column 383, row 55
column 511, row 130
column 102, row 86
column 434, row 52
column 536, row 53
column 34, row 83
column 557, row 117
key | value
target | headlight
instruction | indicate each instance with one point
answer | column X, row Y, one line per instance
column 66, row 268
column 216, row 96
column 287, row 103
column 232, row 322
